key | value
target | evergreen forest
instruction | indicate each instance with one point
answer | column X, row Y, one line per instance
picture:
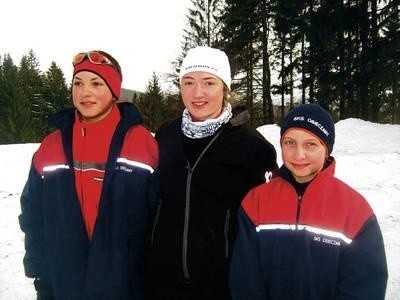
column 344, row 55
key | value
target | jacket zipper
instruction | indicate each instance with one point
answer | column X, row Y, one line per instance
column 155, row 222
column 299, row 198
column 226, row 231
column 186, row 273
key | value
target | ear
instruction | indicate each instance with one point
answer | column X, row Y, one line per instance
column 326, row 153
column 227, row 94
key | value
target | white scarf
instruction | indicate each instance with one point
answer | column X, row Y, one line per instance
column 198, row 130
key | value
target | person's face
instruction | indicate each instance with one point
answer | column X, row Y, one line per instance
column 202, row 95
column 303, row 154
column 91, row 96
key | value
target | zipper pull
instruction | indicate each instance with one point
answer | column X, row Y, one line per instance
column 299, row 198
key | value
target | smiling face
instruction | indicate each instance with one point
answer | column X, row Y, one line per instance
column 203, row 95
column 91, row 96
column 303, row 154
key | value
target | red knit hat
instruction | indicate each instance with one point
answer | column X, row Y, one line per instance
column 107, row 72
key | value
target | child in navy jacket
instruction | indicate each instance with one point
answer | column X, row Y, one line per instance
column 306, row 234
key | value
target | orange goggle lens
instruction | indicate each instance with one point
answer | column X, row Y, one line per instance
column 93, row 56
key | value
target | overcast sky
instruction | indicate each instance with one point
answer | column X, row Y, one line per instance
column 144, row 36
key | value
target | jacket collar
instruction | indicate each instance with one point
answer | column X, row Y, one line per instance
column 327, row 171
column 129, row 116
column 241, row 118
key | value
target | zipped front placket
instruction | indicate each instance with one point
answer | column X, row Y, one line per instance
column 186, row 224
column 186, row 274
column 155, row 223
column 226, row 231
column 299, row 198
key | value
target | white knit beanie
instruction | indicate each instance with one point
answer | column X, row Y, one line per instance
column 206, row 59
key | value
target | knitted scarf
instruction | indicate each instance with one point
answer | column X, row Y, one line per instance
column 198, row 130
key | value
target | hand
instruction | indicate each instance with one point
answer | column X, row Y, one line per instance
column 43, row 290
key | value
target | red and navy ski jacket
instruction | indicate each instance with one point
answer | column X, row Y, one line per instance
column 326, row 244
column 58, row 248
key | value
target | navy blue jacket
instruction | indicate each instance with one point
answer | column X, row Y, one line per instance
column 58, row 250
column 323, row 244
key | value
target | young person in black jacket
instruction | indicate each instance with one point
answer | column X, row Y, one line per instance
column 209, row 159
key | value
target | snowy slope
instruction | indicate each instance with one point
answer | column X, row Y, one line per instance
column 368, row 158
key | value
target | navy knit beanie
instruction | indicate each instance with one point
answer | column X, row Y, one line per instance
column 313, row 118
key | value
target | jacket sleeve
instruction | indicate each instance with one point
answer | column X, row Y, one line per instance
column 31, row 223
column 363, row 269
column 139, row 246
column 263, row 164
column 246, row 280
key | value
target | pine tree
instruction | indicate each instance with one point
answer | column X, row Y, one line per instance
column 56, row 92
column 203, row 19
column 30, row 98
column 203, row 28
column 8, row 101
column 151, row 105
column 247, row 38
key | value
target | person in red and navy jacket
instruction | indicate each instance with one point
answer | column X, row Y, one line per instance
column 306, row 234
column 90, row 192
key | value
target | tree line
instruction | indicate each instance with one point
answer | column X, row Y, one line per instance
column 27, row 97
column 344, row 55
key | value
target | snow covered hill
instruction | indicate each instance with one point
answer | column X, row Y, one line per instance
column 368, row 158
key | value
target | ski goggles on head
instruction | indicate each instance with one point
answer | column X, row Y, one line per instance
column 94, row 57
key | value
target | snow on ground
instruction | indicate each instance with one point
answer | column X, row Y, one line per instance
column 368, row 159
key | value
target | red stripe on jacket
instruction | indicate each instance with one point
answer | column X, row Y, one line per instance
column 328, row 203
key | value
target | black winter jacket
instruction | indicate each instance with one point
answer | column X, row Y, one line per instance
column 202, row 184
